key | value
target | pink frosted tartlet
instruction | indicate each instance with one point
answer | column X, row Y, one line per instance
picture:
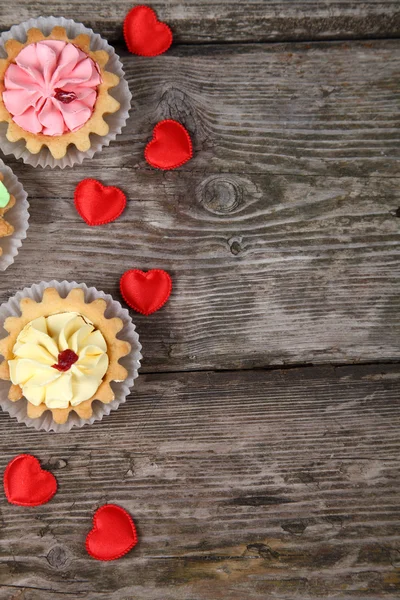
column 51, row 88
column 54, row 91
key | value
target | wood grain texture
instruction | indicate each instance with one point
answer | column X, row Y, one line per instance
column 281, row 234
column 202, row 21
column 266, row 270
column 282, row 238
column 255, row 485
column 324, row 108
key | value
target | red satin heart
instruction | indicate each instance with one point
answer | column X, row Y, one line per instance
column 146, row 292
column 144, row 34
column 113, row 534
column 25, row 482
column 171, row 146
column 98, row 204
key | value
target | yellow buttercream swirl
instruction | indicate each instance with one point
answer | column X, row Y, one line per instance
column 37, row 349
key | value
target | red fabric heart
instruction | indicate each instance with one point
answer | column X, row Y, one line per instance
column 25, row 482
column 171, row 146
column 146, row 292
column 98, row 204
column 113, row 534
column 144, row 34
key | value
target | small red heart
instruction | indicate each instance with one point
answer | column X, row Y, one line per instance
column 144, row 34
column 26, row 483
column 113, row 533
column 98, row 204
column 171, row 146
column 146, row 292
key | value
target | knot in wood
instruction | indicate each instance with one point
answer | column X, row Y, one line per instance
column 235, row 245
column 57, row 557
column 220, row 194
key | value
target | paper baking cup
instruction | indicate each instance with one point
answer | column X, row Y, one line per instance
column 115, row 121
column 121, row 389
column 17, row 216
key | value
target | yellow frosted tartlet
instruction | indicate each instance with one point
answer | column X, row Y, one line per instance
column 61, row 354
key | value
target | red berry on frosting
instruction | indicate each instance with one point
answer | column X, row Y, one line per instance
column 66, row 359
column 64, row 97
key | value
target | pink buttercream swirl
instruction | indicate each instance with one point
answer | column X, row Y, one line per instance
column 51, row 88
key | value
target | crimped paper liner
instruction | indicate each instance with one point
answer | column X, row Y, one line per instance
column 131, row 362
column 17, row 216
column 116, row 121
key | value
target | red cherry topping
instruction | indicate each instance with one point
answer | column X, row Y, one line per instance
column 66, row 359
column 64, row 97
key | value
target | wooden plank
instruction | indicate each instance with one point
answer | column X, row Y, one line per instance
column 329, row 109
column 280, row 484
column 196, row 21
column 267, row 270
column 324, row 108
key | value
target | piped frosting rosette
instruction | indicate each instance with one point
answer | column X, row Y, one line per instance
column 71, row 355
column 59, row 360
column 63, row 95
column 51, row 88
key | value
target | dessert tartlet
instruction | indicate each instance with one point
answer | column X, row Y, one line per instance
column 54, row 91
column 14, row 216
column 62, row 354
column 7, row 201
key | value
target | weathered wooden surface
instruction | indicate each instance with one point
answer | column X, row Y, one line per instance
column 256, row 485
column 202, row 21
column 328, row 109
column 305, row 271
column 282, row 237
column 281, row 234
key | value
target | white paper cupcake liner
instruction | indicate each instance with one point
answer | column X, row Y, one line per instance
column 131, row 362
column 115, row 121
column 17, row 216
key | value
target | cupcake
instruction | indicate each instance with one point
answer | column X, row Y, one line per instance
column 55, row 96
column 62, row 354
column 7, row 201
column 14, row 216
